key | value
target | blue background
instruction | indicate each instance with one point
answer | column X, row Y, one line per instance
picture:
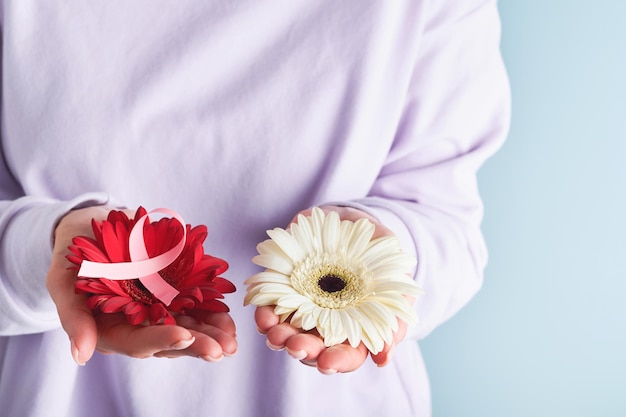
column 547, row 334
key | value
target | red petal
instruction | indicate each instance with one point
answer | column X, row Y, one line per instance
column 114, row 304
column 116, row 216
column 194, row 293
column 76, row 260
column 208, row 263
column 97, row 230
column 179, row 305
column 210, row 293
column 88, row 249
column 95, row 301
column 134, row 307
column 123, row 234
column 224, row 286
column 94, row 286
column 214, row 306
column 113, row 286
column 138, row 317
column 157, row 313
column 84, row 241
column 81, row 286
column 139, row 214
column 112, row 245
column 196, row 235
column 169, row 320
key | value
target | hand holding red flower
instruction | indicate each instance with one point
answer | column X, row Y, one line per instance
column 200, row 331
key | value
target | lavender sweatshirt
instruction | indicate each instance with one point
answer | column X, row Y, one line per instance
column 239, row 114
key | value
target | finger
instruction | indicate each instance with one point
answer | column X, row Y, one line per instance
column 383, row 357
column 265, row 318
column 116, row 335
column 211, row 343
column 222, row 321
column 203, row 347
column 341, row 358
column 305, row 347
column 278, row 335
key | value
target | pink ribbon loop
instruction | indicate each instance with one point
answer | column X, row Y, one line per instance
column 141, row 266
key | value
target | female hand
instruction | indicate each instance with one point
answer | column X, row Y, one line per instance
column 209, row 339
column 307, row 346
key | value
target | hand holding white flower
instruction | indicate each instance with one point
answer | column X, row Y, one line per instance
column 329, row 274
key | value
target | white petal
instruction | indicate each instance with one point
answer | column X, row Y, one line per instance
column 287, row 243
column 293, row 300
column 352, row 329
column 296, row 318
column 369, row 334
column 261, row 299
column 400, row 307
column 317, row 220
column 282, row 265
column 389, row 272
column 323, row 322
column 282, row 310
column 268, row 276
column 269, row 247
column 386, row 250
column 303, row 234
column 382, row 325
column 278, row 289
column 385, row 244
column 310, row 320
column 408, row 287
column 335, row 333
column 271, row 256
column 357, row 239
column 314, row 225
column 331, row 232
column 381, row 315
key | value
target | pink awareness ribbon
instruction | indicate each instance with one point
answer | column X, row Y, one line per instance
column 141, row 266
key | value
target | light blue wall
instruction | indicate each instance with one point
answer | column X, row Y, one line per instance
column 546, row 337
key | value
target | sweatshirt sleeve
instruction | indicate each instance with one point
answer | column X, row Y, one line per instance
column 456, row 116
column 26, row 227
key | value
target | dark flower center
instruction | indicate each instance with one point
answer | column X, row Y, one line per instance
column 136, row 290
column 331, row 283
column 139, row 292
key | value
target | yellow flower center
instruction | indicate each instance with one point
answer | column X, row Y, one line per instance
column 331, row 280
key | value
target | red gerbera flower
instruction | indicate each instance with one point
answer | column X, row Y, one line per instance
column 194, row 274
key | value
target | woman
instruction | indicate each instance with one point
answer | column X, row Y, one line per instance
column 238, row 115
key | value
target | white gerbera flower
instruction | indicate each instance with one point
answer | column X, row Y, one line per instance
column 328, row 274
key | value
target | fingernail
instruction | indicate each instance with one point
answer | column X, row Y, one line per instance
column 75, row 353
column 163, row 355
column 228, row 354
column 211, row 359
column 328, row 371
column 297, row 354
column 183, row 344
column 274, row 347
